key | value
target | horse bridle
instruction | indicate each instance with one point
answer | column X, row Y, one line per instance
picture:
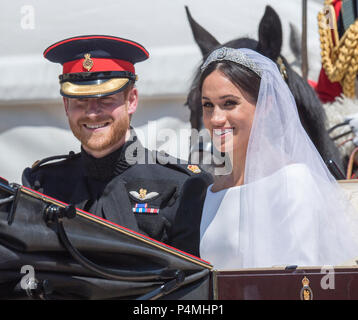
column 282, row 68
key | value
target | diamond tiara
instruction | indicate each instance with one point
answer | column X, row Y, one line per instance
column 234, row 55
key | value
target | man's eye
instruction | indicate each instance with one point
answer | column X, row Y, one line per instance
column 107, row 101
column 81, row 102
column 82, row 99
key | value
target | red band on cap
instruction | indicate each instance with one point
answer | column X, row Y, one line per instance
column 99, row 64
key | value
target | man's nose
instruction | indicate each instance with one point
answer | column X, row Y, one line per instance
column 93, row 106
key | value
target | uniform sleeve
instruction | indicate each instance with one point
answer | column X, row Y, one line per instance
column 185, row 231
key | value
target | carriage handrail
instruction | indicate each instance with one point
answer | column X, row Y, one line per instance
column 6, row 187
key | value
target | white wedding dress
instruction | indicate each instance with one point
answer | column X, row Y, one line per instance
column 284, row 238
column 290, row 209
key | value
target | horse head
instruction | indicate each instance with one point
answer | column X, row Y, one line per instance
column 269, row 44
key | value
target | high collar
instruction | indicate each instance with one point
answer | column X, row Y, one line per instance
column 109, row 166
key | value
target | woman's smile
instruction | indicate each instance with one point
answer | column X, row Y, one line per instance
column 223, row 132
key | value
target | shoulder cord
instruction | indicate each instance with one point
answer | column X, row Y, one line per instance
column 339, row 57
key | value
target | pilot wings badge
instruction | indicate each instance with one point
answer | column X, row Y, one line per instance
column 142, row 195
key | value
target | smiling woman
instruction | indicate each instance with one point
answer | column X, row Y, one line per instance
column 279, row 205
column 228, row 110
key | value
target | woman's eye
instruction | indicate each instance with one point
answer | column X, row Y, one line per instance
column 230, row 103
column 207, row 105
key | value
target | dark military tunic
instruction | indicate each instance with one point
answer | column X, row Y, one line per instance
column 153, row 195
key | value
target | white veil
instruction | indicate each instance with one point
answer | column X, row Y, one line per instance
column 292, row 210
column 305, row 216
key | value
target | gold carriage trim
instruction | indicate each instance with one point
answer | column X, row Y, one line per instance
column 339, row 57
column 112, row 85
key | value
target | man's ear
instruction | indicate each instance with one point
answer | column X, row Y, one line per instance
column 132, row 100
column 65, row 102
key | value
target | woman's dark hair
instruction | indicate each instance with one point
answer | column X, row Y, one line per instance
column 241, row 76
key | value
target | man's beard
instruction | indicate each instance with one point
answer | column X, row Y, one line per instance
column 100, row 141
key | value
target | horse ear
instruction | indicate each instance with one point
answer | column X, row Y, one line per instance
column 270, row 34
column 203, row 38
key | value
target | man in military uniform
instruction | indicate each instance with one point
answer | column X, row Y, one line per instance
column 114, row 176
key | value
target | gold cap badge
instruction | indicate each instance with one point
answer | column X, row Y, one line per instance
column 88, row 62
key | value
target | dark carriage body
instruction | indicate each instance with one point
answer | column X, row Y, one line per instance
column 129, row 265
column 290, row 283
column 133, row 266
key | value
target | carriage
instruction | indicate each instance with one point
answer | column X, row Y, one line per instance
column 52, row 250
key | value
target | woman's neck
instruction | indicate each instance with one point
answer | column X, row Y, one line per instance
column 232, row 179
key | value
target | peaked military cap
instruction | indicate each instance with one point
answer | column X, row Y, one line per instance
column 95, row 65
